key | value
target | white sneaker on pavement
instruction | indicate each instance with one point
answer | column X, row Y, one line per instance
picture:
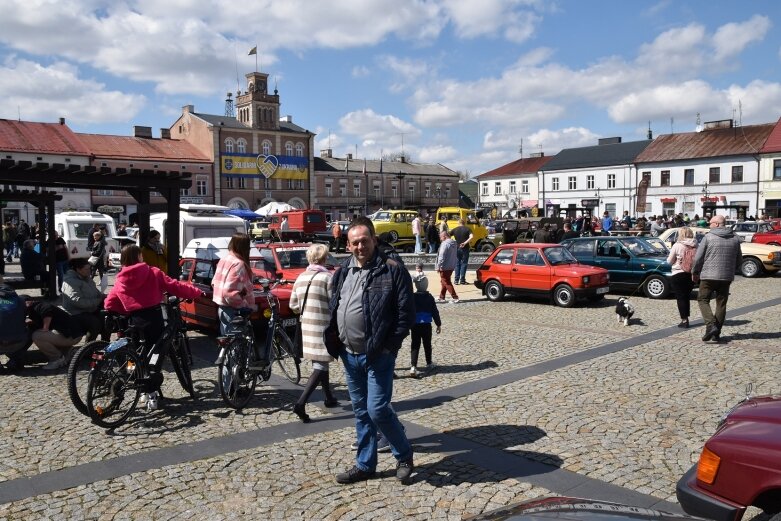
column 55, row 364
column 413, row 371
column 455, row 301
column 440, row 300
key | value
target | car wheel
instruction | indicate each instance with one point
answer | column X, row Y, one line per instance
column 750, row 267
column 494, row 291
column 487, row 247
column 393, row 235
column 656, row 287
column 563, row 296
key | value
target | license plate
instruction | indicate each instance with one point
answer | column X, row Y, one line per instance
column 600, row 291
column 288, row 322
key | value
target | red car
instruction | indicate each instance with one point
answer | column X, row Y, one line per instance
column 773, row 238
column 740, row 465
column 274, row 261
column 538, row 269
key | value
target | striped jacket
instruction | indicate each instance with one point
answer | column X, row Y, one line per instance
column 230, row 278
column 315, row 318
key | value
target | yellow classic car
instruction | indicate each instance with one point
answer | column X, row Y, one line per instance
column 396, row 223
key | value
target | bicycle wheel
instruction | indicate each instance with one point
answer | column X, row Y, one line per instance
column 182, row 361
column 283, row 356
column 78, row 373
column 236, row 383
column 113, row 393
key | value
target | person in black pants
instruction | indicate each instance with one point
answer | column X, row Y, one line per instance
column 425, row 311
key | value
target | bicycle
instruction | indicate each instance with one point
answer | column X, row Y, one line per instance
column 239, row 362
column 124, row 369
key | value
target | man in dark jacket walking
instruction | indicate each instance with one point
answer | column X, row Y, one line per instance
column 372, row 310
column 718, row 255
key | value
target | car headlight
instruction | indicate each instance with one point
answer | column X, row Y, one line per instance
column 586, row 280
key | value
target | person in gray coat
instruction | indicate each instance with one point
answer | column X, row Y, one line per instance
column 81, row 298
column 714, row 266
column 446, row 263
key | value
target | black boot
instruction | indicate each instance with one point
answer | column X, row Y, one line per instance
column 311, row 384
column 330, row 399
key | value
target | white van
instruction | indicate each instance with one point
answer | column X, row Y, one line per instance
column 197, row 221
column 75, row 228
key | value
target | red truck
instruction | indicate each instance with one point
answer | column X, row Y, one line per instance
column 301, row 225
column 740, row 465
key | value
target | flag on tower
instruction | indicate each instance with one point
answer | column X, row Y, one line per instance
column 252, row 51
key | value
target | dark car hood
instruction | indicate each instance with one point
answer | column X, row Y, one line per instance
column 549, row 508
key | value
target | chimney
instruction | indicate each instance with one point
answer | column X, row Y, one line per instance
column 537, row 154
column 349, row 156
column 62, row 121
column 286, row 119
column 402, row 158
column 609, row 141
column 165, row 133
column 188, row 109
column 139, row 131
column 327, row 153
column 723, row 123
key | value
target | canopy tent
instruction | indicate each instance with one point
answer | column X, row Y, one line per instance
column 273, row 207
column 247, row 215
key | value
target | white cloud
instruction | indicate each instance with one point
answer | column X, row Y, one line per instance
column 760, row 101
column 678, row 49
column 360, row 71
column 58, row 91
column 732, row 38
column 665, row 101
column 436, row 154
column 552, row 141
column 367, row 124
column 489, row 17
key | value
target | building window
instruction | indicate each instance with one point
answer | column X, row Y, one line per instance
column 411, row 190
column 714, row 175
column 267, row 148
column 289, row 148
column 512, row 187
column 241, row 146
column 497, row 188
column 329, row 190
column 342, row 190
column 228, row 182
column 665, row 181
column 357, row 189
column 201, row 185
column 395, row 190
column 291, row 184
column 266, row 184
column 300, row 184
column 105, row 192
column 572, row 181
column 611, row 181
column 524, row 187
column 184, row 192
column 485, row 189
column 376, row 192
column 777, row 169
column 555, row 183
column 737, row 174
column 229, row 145
column 688, row 177
column 428, row 191
column 299, row 150
column 589, row 182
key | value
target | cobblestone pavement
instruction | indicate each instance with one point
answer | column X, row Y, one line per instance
column 634, row 417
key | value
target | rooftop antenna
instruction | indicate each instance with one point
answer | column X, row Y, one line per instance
column 698, row 128
column 19, row 112
column 520, row 148
column 672, row 121
column 329, row 138
column 650, row 134
column 275, row 85
column 402, row 143
column 740, row 113
column 229, row 106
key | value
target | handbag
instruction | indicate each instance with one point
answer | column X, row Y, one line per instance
column 93, row 260
column 298, row 339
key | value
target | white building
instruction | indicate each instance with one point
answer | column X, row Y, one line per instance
column 770, row 174
column 512, row 186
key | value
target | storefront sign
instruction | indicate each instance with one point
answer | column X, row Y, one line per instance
column 112, row 209
column 589, row 203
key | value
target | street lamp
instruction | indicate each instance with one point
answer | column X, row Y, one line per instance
column 596, row 194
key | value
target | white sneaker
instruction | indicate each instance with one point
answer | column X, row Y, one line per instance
column 455, row 301
column 55, row 364
column 440, row 300
column 413, row 371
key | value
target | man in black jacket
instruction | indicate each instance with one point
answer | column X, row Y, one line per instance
column 372, row 310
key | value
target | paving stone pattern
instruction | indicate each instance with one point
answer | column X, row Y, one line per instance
column 635, row 418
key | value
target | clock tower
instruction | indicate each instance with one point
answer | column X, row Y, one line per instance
column 255, row 107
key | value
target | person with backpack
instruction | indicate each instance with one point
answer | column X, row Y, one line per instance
column 14, row 335
column 681, row 258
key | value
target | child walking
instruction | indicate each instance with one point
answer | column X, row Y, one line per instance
column 425, row 311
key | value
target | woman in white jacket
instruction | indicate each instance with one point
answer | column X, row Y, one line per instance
column 309, row 298
column 681, row 258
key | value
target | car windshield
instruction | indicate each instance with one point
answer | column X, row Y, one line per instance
column 382, row 217
column 559, row 255
column 639, row 246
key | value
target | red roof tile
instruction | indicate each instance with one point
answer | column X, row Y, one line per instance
column 529, row 165
column 773, row 143
column 127, row 147
column 44, row 138
column 708, row 143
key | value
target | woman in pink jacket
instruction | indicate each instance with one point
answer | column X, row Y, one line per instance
column 232, row 282
column 139, row 290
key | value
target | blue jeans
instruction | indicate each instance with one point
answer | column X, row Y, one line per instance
column 462, row 261
column 418, row 244
column 371, row 389
column 432, row 247
column 62, row 267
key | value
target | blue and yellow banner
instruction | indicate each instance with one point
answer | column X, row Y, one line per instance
column 251, row 166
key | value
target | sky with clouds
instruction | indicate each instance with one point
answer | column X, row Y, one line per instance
column 459, row 82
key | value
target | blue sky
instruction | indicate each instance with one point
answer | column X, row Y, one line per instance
column 462, row 82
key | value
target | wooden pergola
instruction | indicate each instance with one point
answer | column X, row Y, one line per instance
column 49, row 178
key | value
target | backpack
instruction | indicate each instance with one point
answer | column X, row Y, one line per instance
column 13, row 312
column 687, row 259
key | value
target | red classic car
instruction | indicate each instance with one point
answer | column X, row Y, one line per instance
column 540, row 269
column 740, row 465
column 773, row 238
column 274, row 261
